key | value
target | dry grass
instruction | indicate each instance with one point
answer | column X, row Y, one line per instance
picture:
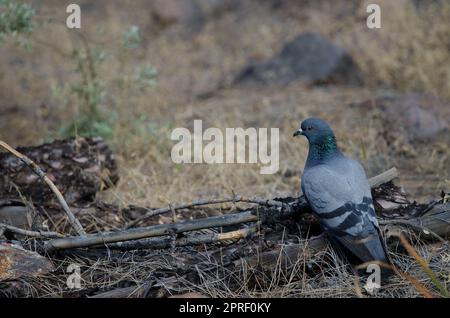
column 409, row 53
column 322, row 274
column 403, row 55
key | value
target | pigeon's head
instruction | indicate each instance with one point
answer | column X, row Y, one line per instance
column 315, row 130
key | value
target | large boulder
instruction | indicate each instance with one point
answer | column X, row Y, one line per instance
column 308, row 58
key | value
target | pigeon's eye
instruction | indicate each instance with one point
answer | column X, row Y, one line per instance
column 309, row 128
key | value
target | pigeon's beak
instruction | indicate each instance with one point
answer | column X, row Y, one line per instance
column 298, row 132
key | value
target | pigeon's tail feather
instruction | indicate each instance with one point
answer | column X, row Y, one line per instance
column 364, row 250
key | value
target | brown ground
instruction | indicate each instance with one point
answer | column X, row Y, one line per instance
column 409, row 54
column 402, row 55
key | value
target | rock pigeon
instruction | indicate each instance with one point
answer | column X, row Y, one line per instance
column 337, row 189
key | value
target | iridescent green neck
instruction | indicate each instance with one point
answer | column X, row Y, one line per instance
column 322, row 149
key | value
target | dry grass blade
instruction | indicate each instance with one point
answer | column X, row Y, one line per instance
column 422, row 289
column 423, row 264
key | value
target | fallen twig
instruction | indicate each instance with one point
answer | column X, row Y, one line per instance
column 36, row 234
column 237, row 198
column 160, row 243
column 384, row 177
column 279, row 210
column 414, row 225
column 150, row 231
column 36, row 169
column 436, row 222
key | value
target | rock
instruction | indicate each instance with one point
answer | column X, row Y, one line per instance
column 170, row 12
column 16, row 262
column 308, row 58
column 16, row 215
column 413, row 117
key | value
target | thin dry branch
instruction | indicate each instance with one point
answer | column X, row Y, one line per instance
column 149, row 231
column 236, row 198
column 36, row 169
column 278, row 211
column 36, row 234
column 435, row 222
column 415, row 225
column 384, row 177
column 161, row 243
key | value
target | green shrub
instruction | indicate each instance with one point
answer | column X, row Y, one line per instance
column 89, row 93
column 16, row 20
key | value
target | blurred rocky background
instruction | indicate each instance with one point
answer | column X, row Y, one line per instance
column 137, row 69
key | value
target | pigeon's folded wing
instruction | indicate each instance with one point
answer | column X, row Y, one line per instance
column 345, row 210
column 340, row 201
